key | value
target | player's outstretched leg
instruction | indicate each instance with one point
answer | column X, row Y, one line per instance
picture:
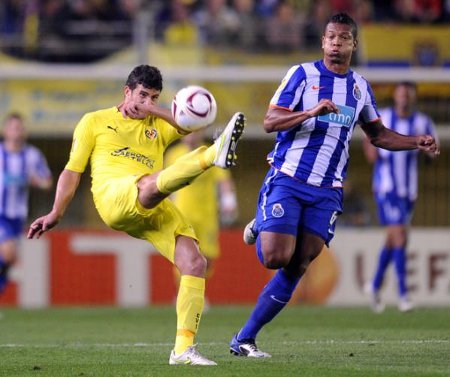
column 247, row 348
column 190, row 357
column 227, row 142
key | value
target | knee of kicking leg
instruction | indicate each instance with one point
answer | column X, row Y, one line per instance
column 193, row 264
column 275, row 259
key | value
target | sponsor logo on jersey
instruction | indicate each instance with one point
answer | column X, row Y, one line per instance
column 344, row 117
column 277, row 210
column 316, row 87
column 127, row 153
column 112, row 128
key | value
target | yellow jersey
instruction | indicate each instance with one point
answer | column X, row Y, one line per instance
column 119, row 146
column 121, row 151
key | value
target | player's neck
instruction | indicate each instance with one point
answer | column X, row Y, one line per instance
column 13, row 146
column 340, row 68
column 403, row 112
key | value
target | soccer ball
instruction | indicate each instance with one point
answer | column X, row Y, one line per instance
column 193, row 108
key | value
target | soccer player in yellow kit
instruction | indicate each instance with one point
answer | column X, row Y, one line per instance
column 207, row 203
column 125, row 145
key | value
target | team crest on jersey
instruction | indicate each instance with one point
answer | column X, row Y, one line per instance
column 277, row 210
column 356, row 92
column 151, row 134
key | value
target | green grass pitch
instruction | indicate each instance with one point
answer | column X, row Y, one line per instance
column 304, row 341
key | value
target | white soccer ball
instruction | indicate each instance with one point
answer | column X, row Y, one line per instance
column 193, row 108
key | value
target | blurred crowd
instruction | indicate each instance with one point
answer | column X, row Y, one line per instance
column 87, row 30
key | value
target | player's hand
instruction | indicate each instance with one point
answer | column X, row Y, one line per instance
column 427, row 144
column 42, row 225
column 324, row 107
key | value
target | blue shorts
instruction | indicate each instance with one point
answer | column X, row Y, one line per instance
column 288, row 206
column 10, row 228
column 394, row 210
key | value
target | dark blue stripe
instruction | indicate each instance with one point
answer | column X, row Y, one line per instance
column 4, row 185
column 350, row 101
column 317, row 136
column 391, row 155
column 23, row 189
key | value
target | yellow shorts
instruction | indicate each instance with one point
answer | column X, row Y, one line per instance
column 118, row 206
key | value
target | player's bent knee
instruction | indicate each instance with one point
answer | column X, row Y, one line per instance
column 274, row 261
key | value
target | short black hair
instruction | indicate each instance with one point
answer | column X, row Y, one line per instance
column 344, row 18
column 149, row 77
column 408, row 84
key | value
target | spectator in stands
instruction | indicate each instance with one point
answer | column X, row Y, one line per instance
column 179, row 29
column 218, row 23
column 284, row 29
column 318, row 15
column 249, row 31
column 23, row 166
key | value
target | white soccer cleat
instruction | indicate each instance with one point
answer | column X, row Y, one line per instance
column 227, row 142
column 190, row 357
column 405, row 305
column 249, row 234
column 376, row 304
column 247, row 348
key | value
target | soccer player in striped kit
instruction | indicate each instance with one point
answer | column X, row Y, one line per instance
column 314, row 111
column 395, row 189
column 22, row 166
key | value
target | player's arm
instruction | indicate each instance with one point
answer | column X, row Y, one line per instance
column 282, row 119
column 385, row 138
column 65, row 190
column 228, row 201
column 132, row 109
column 43, row 183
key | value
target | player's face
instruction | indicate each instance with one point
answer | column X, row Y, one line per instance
column 140, row 95
column 404, row 96
column 338, row 43
column 14, row 130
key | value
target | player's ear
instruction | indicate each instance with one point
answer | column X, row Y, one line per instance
column 355, row 44
column 323, row 42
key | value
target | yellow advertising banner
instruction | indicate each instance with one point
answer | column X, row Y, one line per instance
column 54, row 107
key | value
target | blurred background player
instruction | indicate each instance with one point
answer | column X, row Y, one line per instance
column 22, row 166
column 395, row 190
column 207, row 203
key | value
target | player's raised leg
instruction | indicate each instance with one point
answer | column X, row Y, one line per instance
column 222, row 154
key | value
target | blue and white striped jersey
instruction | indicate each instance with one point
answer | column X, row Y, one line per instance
column 16, row 170
column 317, row 151
column 396, row 172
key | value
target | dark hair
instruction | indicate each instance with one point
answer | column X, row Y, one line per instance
column 14, row 115
column 408, row 84
column 344, row 18
column 149, row 77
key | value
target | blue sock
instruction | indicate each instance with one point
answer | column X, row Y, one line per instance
column 383, row 262
column 399, row 255
column 273, row 298
column 3, row 274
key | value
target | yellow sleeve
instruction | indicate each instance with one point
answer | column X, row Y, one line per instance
column 82, row 145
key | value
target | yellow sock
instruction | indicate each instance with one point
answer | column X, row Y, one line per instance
column 184, row 170
column 190, row 302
